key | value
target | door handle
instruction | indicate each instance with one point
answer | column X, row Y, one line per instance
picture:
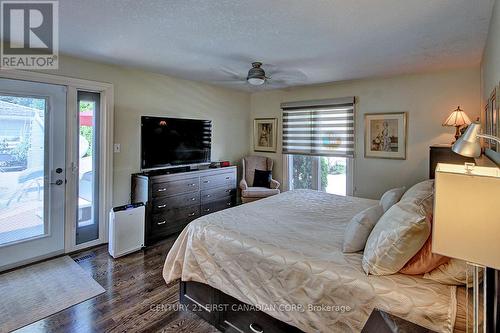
column 58, row 182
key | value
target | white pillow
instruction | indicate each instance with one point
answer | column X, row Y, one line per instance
column 396, row 238
column 359, row 228
column 421, row 194
column 391, row 197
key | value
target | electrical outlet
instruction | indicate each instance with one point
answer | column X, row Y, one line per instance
column 116, row 148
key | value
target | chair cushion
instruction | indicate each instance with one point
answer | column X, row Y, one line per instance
column 253, row 163
column 262, row 178
column 259, row 192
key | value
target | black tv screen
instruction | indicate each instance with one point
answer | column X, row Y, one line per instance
column 173, row 141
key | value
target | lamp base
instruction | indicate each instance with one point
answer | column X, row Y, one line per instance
column 457, row 133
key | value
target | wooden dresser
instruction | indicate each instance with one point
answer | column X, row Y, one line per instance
column 173, row 200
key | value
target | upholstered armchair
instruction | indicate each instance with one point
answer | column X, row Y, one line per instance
column 248, row 191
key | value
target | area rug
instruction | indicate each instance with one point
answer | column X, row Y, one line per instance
column 37, row 291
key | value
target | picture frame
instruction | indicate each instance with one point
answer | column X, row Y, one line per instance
column 386, row 135
column 491, row 117
column 265, row 134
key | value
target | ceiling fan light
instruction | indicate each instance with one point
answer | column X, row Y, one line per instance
column 256, row 81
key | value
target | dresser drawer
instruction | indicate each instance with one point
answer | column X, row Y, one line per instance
column 176, row 187
column 174, row 214
column 215, row 206
column 163, row 204
column 227, row 180
column 169, row 228
column 216, row 194
column 240, row 317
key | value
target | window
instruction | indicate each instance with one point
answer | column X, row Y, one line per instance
column 318, row 143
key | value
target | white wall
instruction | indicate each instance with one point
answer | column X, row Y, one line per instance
column 428, row 98
column 142, row 93
column 490, row 65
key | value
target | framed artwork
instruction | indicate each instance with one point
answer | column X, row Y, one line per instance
column 265, row 134
column 491, row 116
column 385, row 135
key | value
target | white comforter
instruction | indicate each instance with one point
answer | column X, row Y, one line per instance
column 286, row 250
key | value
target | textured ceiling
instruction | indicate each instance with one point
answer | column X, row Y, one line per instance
column 320, row 41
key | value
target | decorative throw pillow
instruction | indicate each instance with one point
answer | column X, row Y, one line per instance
column 391, row 197
column 262, row 178
column 396, row 238
column 453, row 273
column 424, row 261
column 359, row 228
column 421, row 194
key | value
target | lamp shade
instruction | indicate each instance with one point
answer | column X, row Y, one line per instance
column 457, row 118
column 468, row 144
column 466, row 223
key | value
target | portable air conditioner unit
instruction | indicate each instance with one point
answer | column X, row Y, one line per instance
column 126, row 229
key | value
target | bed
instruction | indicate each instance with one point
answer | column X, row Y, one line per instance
column 283, row 256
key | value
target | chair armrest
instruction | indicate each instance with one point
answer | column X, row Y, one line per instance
column 275, row 183
column 243, row 184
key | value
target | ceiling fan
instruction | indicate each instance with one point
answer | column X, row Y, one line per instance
column 263, row 74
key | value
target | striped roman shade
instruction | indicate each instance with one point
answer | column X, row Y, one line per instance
column 319, row 128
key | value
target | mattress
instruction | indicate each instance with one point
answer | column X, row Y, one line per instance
column 283, row 255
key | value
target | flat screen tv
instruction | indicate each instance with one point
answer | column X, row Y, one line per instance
column 172, row 141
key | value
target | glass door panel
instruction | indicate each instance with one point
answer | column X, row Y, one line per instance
column 328, row 174
column 334, row 175
column 302, row 172
column 22, row 169
column 88, row 167
column 32, row 171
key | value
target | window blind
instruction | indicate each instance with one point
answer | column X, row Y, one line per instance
column 319, row 128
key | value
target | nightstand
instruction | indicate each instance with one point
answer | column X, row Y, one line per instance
column 383, row 322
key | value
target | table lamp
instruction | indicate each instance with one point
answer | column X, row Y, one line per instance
column 457, row 119
column 466, row 215
column 468, row 144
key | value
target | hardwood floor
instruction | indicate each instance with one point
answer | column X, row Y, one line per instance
column 136, row 298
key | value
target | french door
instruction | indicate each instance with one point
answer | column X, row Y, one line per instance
column 32, row 171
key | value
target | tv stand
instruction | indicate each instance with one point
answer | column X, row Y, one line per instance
column 173, row 198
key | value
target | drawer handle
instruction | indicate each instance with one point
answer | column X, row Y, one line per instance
column 207, row 196
column 162, row 206
column 192, row 214
column 192, row 184
column 228, row 177
column 256, row 328
column 162, row 222
column 162, row 189
column 206, row 181
column 193, row 199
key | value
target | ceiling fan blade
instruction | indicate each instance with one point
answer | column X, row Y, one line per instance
column 291, row 76
column 233, row 74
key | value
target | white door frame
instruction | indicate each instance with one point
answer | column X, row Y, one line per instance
column 106, row 148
